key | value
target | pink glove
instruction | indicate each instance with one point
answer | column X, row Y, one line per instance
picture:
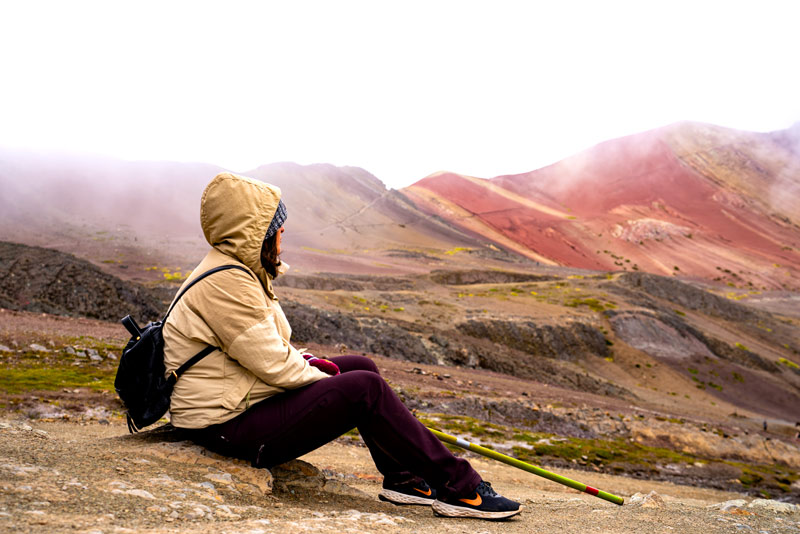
column 326, row 366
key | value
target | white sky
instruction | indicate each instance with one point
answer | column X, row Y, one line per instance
column 401, row 89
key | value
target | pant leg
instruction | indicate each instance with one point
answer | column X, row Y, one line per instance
column 353, row 362
column 393, row 472
column 295, row 422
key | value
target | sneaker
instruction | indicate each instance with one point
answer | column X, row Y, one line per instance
column 415, row 491
column 484, row 504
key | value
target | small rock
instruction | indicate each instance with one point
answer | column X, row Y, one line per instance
column 112, row 356
column 220, row 478
column 729, row 505
column 25, row 427
column 140, row 493
column 80, row 354
column 162, row 509
column 70, row 351
column 226, row 512
column 768, row 505
column 3, row 348
column 195, row 513
column 651, row 500
column 38, row 348
column 162, row 479
column 94, row 355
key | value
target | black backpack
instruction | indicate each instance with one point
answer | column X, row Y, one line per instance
column 140, row 381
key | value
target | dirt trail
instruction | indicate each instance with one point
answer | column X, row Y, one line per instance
column 90, row 478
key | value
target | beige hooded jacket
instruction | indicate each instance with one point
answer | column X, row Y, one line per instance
column 234, row 311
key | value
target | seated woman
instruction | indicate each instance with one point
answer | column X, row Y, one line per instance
column 260, row 399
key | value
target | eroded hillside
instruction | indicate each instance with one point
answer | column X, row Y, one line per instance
column 688, row 200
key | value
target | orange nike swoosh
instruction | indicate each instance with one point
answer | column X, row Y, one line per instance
column 426, row 493
column 474, row 502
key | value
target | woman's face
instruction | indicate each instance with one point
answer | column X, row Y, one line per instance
column 278, row 240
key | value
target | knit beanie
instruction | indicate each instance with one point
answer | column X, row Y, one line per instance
column 277, row 220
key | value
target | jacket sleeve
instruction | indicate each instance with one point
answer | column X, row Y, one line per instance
column 272, row 359
column 245, row 324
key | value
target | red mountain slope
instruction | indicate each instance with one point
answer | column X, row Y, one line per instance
column 688, row 199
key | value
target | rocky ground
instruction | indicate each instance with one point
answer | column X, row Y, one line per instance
column 92, row 477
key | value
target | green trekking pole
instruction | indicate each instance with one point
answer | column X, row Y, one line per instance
column 519, row 464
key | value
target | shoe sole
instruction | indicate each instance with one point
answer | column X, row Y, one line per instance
column 451, row 510
column 395, row 497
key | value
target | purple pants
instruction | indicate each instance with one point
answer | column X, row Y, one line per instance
column 298, row 421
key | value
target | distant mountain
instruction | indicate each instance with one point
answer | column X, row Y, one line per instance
column 143, row 217
column 347, row 209
column 688, row 199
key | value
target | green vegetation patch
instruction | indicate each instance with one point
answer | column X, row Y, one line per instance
column 592, row 303
column 788, row 363
column 24, row 378
column 597, row 451
column 460, row 424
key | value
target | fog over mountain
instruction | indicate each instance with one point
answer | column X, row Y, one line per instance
column 684, row 200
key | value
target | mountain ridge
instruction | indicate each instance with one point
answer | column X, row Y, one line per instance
column 683, row 200
column 689, row 199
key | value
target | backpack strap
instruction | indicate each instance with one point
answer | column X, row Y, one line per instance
column 193, row 282
column 175, row 375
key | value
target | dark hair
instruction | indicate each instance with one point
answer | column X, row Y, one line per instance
column 269, row 255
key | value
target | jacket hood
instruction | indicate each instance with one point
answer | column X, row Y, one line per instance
column 235, row 212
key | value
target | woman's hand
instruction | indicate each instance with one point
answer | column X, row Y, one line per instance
column 326, row 366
